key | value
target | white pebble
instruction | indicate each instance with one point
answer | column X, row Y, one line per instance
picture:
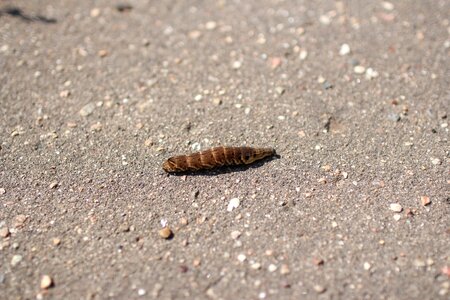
column 241, row 257
column 371, row 73
column 367, row 266
column 395, row 207
column 435, row 161
column 234, row 203
column 325, row 20
column 237, row 64
column 255, row 266
column 235, row 234
column 211, row 25
column 16, row 260
column 196, row 146
column 345, row 49
column 397, row 217
column 272, row 268
column 198, row 97
column 359, row 69
column 141, row 292
column 387, row 5
column 303, row 54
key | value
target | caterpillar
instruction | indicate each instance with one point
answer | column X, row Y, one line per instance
column 216, row 157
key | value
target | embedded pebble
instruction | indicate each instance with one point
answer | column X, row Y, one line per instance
column 141, row 292
column 16, row 260
column 2, row 191
column 46, row 282
column 425, row 200
column 166, row 233
column 397, row 217
column 234, row 203
column 367, row 266
column 4, row 232
column 395, row 207
column 344, row 50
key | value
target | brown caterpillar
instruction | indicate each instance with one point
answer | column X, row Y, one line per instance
column 216, row 157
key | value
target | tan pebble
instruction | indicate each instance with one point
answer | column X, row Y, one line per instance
column 46, row 282
column 319, row 289
column 96, row 127
column 196, row 262
column 284, row 270
column 326, row 168
column 53, row 185
column 195, row 34
column 359, row 69
column 165, row 233
column 216, row 101
column 395, row 207
column 19, row 221
column 425, row 200
column 71, row 125
column 56, row 241
column 102, row 53
column 148, row 143
column 4, row 232
column 318, row 261
column 95, row 12
column 275, row 62
column 184, row 221
column 64, row 94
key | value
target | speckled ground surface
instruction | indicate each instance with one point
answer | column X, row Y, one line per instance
column 354, row 95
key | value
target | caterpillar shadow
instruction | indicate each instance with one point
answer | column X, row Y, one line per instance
column 227, row 169
column 18, row 13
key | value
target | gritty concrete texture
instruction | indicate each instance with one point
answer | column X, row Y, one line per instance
column 353, row 95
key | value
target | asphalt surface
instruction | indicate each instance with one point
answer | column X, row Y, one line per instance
column 353, row 95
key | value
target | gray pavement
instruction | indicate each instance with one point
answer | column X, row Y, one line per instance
column 353, row 95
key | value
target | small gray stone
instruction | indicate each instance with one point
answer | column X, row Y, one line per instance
column 87, row 110
column 16, row 260
column 394, row 117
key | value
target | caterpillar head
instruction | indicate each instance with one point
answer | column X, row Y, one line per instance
column 169, row 165
column 251, row 155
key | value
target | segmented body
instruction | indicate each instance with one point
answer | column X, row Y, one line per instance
column 216, row 157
